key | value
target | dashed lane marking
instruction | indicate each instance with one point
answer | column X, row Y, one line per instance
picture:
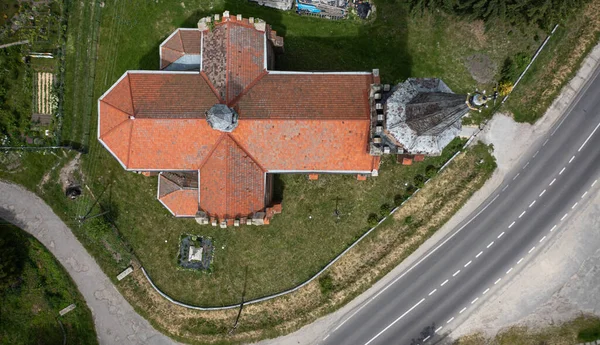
column 551, row 183
column 395, row 321
column 503, row 189
column 475, row 300
column 517, row 175
column 522, row 214
column 468, row 263
column 570, row 160
column 543, row 238
column 462, row 310
column 562, row 170
column 439, row 329
column 532, row 203
column 518, row 262
column 525, row 166
column 536, row 153
column 545, row 142
column 511, row 224
column 530, row 250
column 497, row 281
column 486, row 291
column 426, row 338
column 478, row 255
column 554, row 227
column 444, row 283
column 507, row 272
column 594, row 183
column 432, row 292
column 542, row 193
column 584, row 194
column 450, row 320
column 491, row 244
column 565, row 216
column 501, row 234
column 574, row 205
column 456, row 273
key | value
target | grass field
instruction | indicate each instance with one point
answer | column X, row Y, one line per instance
column 29, row 307
column 580, row 330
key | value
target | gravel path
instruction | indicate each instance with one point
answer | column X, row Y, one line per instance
column 115, row 320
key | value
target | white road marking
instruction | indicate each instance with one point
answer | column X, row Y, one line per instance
column 562, row 170
column 439, row 329
column 594, row 183
column 565, row 216
column 476, row 256
column 432, row 292
column 532, row 203
column 503, row 189
column 588, row 138
column 468, row 263
column 570, row 160
column 517, row 175
column 542, row 193
column 511, row 224
column 444, row 283
column 426, row 338
column 552, row 182
column 545, row 142
column 507, row 272
column 462, row 310
column 475, row 300
column 543, row 238
column 491, row 244
column 452, row 318
column 518, row 262
column 530, row 250
column 455, row 273
column 326, row 337
column 502, row 234
column 536, row 153
column 584, row 194
column 574, row 205
column 525, row 166
column 497, row 281
column 393, row 323
column 521, row 215
column 554, row 227
column 486, row 291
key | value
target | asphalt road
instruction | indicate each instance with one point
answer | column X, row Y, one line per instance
column 436, row 294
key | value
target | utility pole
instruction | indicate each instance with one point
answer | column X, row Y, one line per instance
column 86, row 217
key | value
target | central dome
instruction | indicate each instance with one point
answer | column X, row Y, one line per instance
column 222, row 118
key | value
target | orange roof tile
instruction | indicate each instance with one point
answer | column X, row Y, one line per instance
column 120, row 95
column 307, row 96
column 111, row 117
column 191, row 40
column 231, row 182
column 118, row 140
column 182, row 203
column 307, row 145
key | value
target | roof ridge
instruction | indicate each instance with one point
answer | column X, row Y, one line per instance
column 131, row 93
column 116, row 126
column 180, row 39
column 210, row 153
column 129, row 144
column 246, row 152
column 114, row 106
column 239, row 97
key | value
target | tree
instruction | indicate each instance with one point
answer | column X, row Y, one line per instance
column 13, row 253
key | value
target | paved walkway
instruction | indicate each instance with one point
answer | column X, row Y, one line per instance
column 116, row 321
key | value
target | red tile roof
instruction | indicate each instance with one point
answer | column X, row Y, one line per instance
column 231, row 182
column 308, row 96
column 294, row 122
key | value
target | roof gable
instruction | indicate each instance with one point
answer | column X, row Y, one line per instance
column 231, row 181
column 119, row 96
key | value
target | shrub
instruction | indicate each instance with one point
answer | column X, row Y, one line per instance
column 385, row 209
column 399, row 199
column 419, row 180
column 326, row 284
column 430, row 171
column 372, row 219
column 589, row 334
column 505, row 87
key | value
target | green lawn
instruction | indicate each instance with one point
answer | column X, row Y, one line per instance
column 38, row 289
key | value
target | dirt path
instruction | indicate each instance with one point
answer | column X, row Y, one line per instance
column 115, row 320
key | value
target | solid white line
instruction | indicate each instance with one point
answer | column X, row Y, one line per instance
column 417, row 263
column 507, row 272
column 439, row 329
column 398, row 319
column 570, row 160
column 432, row 292
column 554, row 227
column 462, row 310
column 552, row 182
column 517, row 175
column 543, row 238
column 532, row 203
column 452, row 318
column 511, row 224
column 475, row 300
column 497, row 281
column 562, row 170
column 545, row 142
column 486, row 291
column 594, row 183
column 542, row 193
column 501, row 234
column 521, row 215
column 503, row 189
column 426, row 338
column 525, row 166
column 584, row 194
column 491, row 244
column 563, row 217
column 536, row 153
column 574, row 205
column 468, row 263
column 476, row 256
column 455, row 273
column 444, row 283
column 518, row 262
column 530, row 250
column 588, row 138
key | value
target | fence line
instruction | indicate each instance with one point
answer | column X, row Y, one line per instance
column 288, row 291
column 531, row 62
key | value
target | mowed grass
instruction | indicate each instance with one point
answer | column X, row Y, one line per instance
column 29, row 308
